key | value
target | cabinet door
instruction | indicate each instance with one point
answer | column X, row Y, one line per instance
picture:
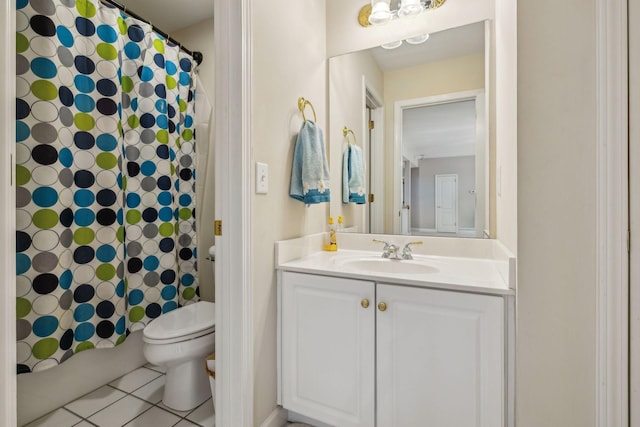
column 328, row 344
column 440, row 358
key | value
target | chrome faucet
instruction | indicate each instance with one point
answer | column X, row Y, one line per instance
column 406, row 251
column 390, row 250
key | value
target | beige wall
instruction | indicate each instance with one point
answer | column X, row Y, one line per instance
column 199, row 37
column 447, row 76
column 288, row 62
column 556, row 379
column 347, row 108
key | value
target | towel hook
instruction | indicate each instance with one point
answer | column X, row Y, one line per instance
column 302, row 104
column 346, row 131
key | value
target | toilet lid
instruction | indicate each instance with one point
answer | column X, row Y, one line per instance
column 187, row 320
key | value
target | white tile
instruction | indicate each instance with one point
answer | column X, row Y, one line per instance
column 181, row 414
column 186, row 423
column 204, row 414
column 58, row 418
column 162, row 369
column 120, row 413
column 98, row 399
column 135, row 379
column 154, row 417
column 152, row 392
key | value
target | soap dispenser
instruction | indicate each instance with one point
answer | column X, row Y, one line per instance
column 333, row 244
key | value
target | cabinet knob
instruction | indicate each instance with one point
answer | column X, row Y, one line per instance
column 364, row 303
column 382, row 306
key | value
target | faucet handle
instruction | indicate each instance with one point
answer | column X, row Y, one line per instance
column 386, row 244
column 388, row 248
column 407, row 246
column 406, row 251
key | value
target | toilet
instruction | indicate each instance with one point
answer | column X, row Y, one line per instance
column 180, row 341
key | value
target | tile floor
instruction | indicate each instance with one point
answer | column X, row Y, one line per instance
column 133, row 400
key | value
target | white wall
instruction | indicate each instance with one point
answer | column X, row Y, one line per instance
column 555, row 356
column 289, row 61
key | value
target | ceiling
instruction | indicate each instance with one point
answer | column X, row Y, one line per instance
column 171, row 15
column 460, row 41
column 442, row 130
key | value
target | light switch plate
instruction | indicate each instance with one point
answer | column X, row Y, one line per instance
column 262, row 178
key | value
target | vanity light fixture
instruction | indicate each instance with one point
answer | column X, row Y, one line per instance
column 411, row 40
column 379, row 12
column 391, row 45
column 418, row 39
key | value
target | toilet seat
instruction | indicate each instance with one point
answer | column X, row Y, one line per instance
column 187, row 323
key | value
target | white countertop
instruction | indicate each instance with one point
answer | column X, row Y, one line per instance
column 463, row 274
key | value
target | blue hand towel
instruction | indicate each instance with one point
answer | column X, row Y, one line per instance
column 353, row 190
column 310, row 171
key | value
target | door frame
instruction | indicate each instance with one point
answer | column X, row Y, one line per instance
column 8, row 377
column 437, row 193
column 375, row 145
column 482, row 162
column 612, row 215
column 234, row 266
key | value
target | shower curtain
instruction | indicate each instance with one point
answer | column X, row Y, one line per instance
column 105, row 169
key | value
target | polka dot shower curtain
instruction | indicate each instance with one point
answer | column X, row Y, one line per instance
column 105, row 178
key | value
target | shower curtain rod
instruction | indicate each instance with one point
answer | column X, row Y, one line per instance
column 197, row 56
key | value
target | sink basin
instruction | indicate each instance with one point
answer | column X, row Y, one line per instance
column 384, row 265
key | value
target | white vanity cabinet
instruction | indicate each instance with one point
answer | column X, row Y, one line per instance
column 360, row 353
column 440, row 358
column 328, row 348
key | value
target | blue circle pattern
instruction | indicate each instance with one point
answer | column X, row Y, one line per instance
column 94, row 223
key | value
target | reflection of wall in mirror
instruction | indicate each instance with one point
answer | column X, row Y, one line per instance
column 423, row 191
column 347, row 109
column 435, row 78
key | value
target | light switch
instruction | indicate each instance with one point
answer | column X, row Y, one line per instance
column 262, row 178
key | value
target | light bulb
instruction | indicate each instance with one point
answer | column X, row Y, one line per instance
column 380, row 12
column 418, row 39
column 391, row 45
column 410, row 8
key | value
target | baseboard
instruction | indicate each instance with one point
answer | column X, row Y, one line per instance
column 277, row 418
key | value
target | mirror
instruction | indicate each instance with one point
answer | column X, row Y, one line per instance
column 420, row 116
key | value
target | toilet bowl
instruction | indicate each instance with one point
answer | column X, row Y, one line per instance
column 180, row 341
